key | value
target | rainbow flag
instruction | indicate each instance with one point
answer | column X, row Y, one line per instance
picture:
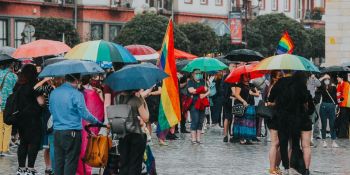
column 169, row 108
column 150, row 161
column 285, row 45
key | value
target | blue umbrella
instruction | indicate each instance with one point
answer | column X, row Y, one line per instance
column 133, row 77
column 71, row 67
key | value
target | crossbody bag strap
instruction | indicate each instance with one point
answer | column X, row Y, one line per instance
column 3, row 81
column 330, row 97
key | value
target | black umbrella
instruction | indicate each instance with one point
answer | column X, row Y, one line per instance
column 180, row 64
column 53, row 60
column 4, row 58
column 335, row 69
column 226, row 61
column 244, row 55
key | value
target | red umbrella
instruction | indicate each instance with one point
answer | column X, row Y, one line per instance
column 235, row 75
column 40, row 48
column 142, row 52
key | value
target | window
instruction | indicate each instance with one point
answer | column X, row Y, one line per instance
column 160, row 4
column 286, row 5
column 151, row 3
column 19, row 27
column 3, row 33
column 262, row 5
column 204, row 2
column 188, row 1
column 96, row 31
column 113, row 31
column 218, row 2
column 274, row 5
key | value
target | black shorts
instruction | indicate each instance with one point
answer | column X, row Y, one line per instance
column 272, row 124
column 227, row 112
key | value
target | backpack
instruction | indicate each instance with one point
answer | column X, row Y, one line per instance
column 121, row 117
column 11, row 112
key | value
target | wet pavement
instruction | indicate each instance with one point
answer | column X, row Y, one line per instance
column 215, row 157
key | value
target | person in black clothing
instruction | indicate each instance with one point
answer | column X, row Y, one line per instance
column 293, row 104
column 217, row 99
column 29, row 123
column 328, row 93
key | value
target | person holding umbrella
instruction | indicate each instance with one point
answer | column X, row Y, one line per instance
column 199, row 92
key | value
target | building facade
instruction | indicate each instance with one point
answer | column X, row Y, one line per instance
column 103, row 19
column 337, row 32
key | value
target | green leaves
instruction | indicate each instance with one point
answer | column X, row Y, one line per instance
column 149, row 29
column 53, row 28
column 202, row 38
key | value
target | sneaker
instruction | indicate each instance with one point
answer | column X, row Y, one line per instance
column 7, row 154
column 334, row 144
column 325, row 144
column 21, row 171
column 48, row 172
column 273, row 172
column 225, row 139
column 32, row 171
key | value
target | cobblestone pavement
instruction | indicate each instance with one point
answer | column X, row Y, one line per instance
column 216, row 157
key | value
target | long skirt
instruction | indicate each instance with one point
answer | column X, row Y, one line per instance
column 245, row 127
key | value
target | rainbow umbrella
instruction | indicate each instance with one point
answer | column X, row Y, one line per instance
column 286, row 62
column 100, row 50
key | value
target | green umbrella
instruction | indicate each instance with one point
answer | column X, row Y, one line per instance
column 204, row 64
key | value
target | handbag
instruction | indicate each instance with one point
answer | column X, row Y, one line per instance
column 238, row 110
column 337, row 109
column 97, row 149
column 264, row 111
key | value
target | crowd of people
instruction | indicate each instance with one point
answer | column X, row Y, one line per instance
column 54, row 111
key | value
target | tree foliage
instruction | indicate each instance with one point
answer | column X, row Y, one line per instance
column 202, row 38
column 53, row 29
column 225, row 45
column 317, row 39
column 265, row 31
column 149, row 29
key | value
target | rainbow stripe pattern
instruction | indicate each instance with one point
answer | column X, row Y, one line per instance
column 285, row 45
column 169, row 108
column 286, row 62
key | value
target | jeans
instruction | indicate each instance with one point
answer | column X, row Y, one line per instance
column 67, row 145
column 327, row 111
column 132, row 148
column 197, row 117
column 216, row 109
column 52, row 151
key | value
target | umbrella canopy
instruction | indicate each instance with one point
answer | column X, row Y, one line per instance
column 184, row 55
column 226, row 61
column 180, row 64
column 100, row 50
column 133, row 77
column 71, row 67
column 7, row 50
column 204, row 64
column 286, row 62
column 142, row 52
column 53, row 60
column 40, row 48
column 6, row 58
column 235, row 75
column 335, row 69
column 244, row 55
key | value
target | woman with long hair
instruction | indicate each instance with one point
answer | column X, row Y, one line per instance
column 328, row 93
column 245, row 126
column 274, row 154
column 29, row 122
